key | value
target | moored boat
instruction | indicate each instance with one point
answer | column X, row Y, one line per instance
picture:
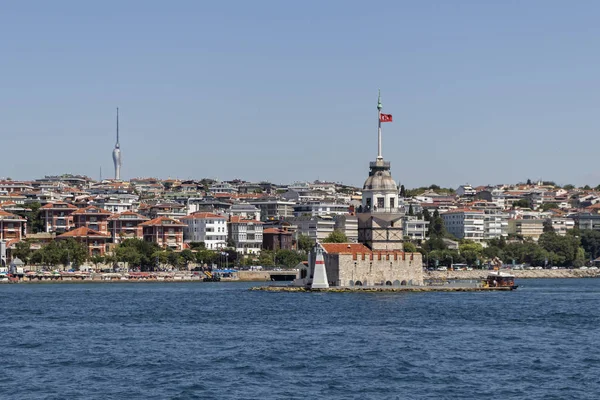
column 498, row 279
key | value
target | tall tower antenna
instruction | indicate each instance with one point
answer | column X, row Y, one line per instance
column 117, row 127
column 116, row 154
column 379, row 107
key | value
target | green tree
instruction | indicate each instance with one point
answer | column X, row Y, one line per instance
column 174, row 259
column 523, row 203
column 197, row 245
column 188, row 256
column 305, row 243
column 548, row 226
column 410, row 247
column 23, row 251
column 410, row 210
column 288, row 258
column 266, row 258
column 129, row 255
column 205, row 256
column 569, row 187
column 336, row 237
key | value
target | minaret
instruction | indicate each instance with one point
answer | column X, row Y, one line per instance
column 117, row 153
column 379, row 216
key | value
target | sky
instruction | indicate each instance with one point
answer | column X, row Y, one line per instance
column 481, row 92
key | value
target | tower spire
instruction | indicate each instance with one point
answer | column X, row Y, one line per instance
column 379, row 107
column 117, row 128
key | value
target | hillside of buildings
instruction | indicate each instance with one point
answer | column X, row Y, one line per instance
column 72, row 221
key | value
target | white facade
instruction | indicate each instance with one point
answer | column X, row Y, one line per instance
column 415, row 228
column 466, row 190
column 495, row 225
column 315, row 209
column 316, row 228
column 465, row 224
column 246, row 234
column 206, row 227
column 561, row 225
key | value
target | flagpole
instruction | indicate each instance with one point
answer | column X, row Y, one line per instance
column 379, row 107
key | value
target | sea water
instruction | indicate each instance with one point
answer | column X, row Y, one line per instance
column 222, row 341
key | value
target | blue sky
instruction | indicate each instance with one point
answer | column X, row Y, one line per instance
column 481, row 91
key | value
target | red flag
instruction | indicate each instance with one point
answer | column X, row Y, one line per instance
column 385, row 117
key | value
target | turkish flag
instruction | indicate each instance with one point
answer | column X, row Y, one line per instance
column 385, row 117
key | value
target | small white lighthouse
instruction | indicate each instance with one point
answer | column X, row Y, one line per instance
column 319, row 273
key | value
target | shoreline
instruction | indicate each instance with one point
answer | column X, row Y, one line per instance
column 519, row 274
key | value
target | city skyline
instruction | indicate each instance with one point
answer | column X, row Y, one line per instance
column 480, row 93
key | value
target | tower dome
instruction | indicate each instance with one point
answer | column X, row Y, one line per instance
column 380, row 180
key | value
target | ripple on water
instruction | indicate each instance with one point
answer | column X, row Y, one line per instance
column 185, row 341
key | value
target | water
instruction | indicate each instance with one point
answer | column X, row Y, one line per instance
column 221, row 341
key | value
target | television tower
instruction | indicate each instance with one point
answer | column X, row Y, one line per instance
column 116, row 154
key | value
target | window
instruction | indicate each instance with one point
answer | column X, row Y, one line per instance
column 392, row 203
column 380, row 202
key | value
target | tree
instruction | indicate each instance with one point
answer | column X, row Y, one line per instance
column 197, row 245
column 305, row 243
column 402, row 191
column 410, row 210
column 129, row 255
column 288, row 258
column 188, row 256
column 336, row 237
column 523, row 203
column 528, row 181
column 410, row 247
column 548, row 226
column 146, row 250
column 23, row 251
column 569, row 187
column 174, row 259
column 205, row 256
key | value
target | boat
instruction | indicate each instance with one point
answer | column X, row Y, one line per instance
column 499, row 279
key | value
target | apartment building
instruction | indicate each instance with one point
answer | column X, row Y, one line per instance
column 126, row 225
column 465, row 223
column 209, row 228
column 58, row 217
column 165, row 232
column 92, row 217
column 415, row 228
column 527, row 228
column 246, row 234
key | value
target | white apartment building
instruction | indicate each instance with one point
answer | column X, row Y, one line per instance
column 316, row 209
column 415, row 228
column 246, row 234
column 528, row 228
column 206, row 227
column 466, row 191
column 465, row 224
column 495, row 225
column 561, row 225
column 316, row 228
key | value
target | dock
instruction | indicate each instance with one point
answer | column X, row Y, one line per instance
column 360, row 289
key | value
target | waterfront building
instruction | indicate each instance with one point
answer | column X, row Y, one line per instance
column 126, row 225
column 207, row 228
column 58, row 217
column 165, row 232
column 527, row 228
column 495, row 224
column 92, row 217
column 277, row 239
column 12, row 227
column 465, row 223
column 93, row 241
column 246, row 235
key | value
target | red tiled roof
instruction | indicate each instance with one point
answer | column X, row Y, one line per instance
column 463, row 210
column 200, row 215
column 52, row 205
column 345, row 248
column 5, row 214
column 160, row 221
column 83, row 232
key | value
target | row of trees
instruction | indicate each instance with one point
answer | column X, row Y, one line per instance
column 573, row 249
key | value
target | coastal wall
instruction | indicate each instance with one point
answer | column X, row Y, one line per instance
column 519, row 274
